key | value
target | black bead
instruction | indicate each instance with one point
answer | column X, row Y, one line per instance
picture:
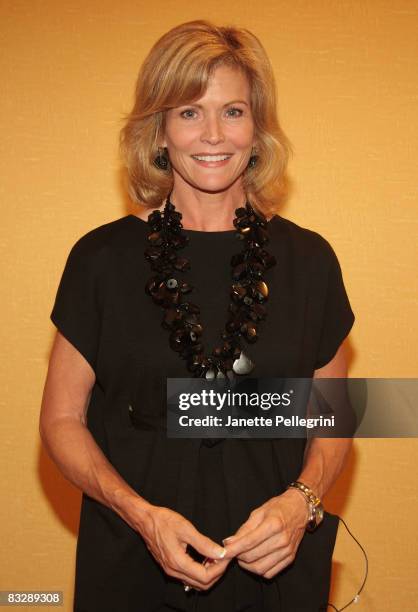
column 239, row 271
column 177, row 340
column 153, row 252
column 240, row 212
column 232, row 326
column 237, row 259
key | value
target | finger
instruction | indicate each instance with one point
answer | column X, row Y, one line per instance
column 279, row 567
column 262, row 565
column 204, row 545
column 209, row 582
column 175, row 559
column 207, row 562
column 198, row 584
column 253, row 538
column 199, row 572
column 194, row 572
column 224, row 564
column 273, row 544
column 187, row 581
column 268, row 566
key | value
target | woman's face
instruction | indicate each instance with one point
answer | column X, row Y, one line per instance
column 209, row 142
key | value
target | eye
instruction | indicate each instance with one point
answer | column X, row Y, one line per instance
column 188, row 113
column 235, row 112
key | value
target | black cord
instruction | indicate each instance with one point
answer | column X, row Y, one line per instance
column 356, row 597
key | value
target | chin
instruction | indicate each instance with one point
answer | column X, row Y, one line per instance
column 214, row 186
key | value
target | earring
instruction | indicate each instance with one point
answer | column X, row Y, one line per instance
column 253, row 159
column 161, row 161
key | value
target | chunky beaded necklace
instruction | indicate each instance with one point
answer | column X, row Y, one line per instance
column 249, row 292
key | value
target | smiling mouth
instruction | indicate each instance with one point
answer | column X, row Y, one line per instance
column 212, row 158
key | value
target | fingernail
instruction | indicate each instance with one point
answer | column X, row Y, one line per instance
column 222, row 553
column 227, row 539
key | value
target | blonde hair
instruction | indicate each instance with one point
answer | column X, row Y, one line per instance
column 176, row 72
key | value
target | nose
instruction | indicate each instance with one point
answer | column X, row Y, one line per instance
column 212, row 130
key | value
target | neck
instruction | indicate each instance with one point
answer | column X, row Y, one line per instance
column 204, row 211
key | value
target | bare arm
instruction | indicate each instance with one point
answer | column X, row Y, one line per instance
column 71, row 446
column 325, row 457
column 69, row 443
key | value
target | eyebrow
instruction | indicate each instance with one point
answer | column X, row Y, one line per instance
column 227, row 104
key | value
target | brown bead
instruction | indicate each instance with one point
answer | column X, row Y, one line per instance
column 177, row 339
column 197, row 329
column 156, row 238
column 152, row 285
column 172, row 315
column 182, row 264
column 191, row 319
column 226, row 348
column 251, row 334
column 238, row 292
column 185, row 287
column 262, row 288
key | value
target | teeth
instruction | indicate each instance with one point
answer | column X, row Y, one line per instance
column 210, row 158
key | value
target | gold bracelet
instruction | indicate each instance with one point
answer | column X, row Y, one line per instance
column 316, row 509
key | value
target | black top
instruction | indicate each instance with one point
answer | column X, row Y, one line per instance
column 102, row 309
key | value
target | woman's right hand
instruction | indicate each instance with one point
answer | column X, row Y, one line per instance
column 167, row 534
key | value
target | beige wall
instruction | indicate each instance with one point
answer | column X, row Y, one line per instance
column 346, row 75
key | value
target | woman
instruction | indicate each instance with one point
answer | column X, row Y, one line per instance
column 202, row 140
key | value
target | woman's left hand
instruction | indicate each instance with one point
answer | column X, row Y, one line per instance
column 268, row 541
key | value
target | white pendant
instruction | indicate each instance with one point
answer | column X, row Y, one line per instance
column 210, row 374
column 243, row 365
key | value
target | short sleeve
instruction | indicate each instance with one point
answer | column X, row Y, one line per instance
column 337, row 317
column 78, row 303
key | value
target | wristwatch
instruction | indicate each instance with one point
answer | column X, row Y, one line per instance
column 316, row 509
